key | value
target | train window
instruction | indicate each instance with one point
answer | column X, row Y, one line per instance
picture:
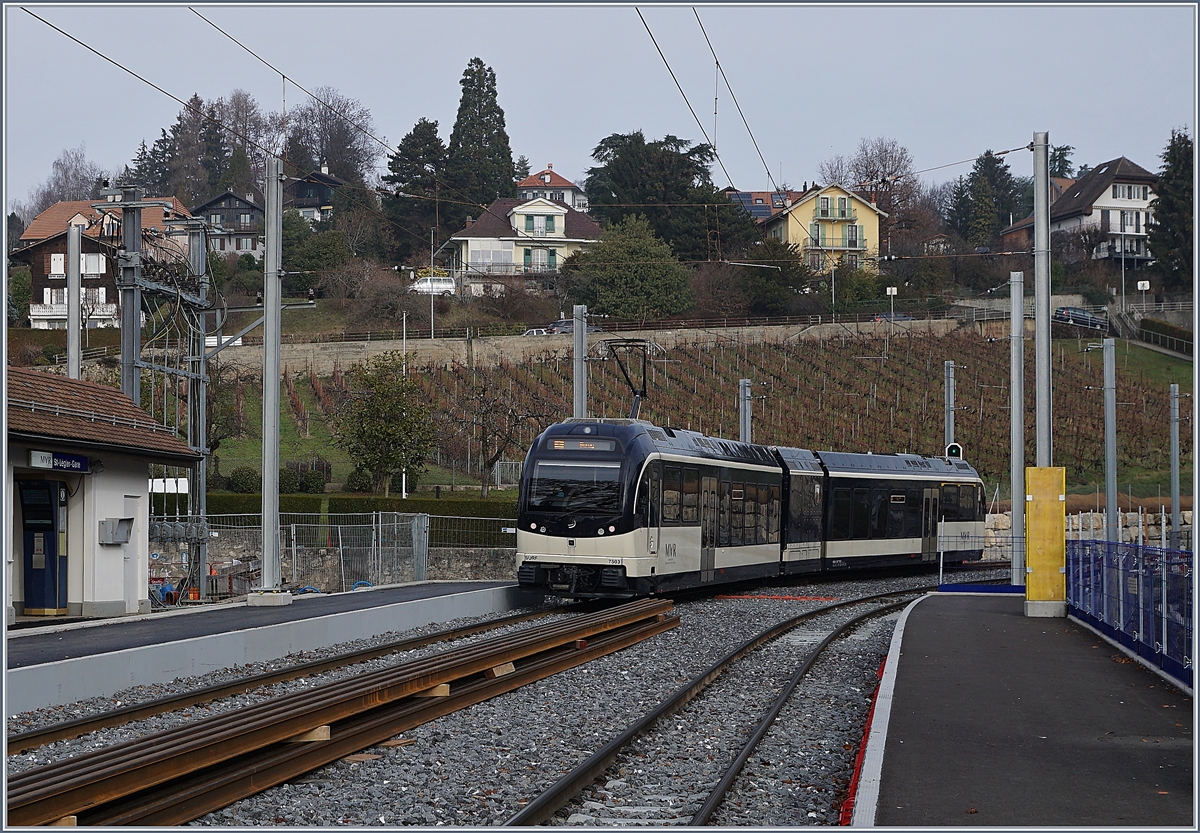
column 839, row 523
column 773, row 514
column 592, row 488
column 655, row 516
column 912, row 515
column 879, row 509
column 735, row 514
column 949, row 508
column 691, row 496
column 764, row 519
column 723, row 515
column 671, row 490
column 750, row 516
column 860, row 515
column 895, row 518
column 966, row 503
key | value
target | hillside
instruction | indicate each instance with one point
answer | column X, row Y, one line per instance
column 852, row 392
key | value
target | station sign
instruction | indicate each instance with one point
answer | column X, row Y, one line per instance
column 1143, row 286
column 57, row 461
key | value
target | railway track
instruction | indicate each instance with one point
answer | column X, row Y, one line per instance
column 564, row 794
column 64, row 730
column 181, row 774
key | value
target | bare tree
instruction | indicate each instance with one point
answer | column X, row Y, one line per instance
column 248, row 128
column 883, row 170
column 72, row 177
column 835, row 171
column 499, row 421
column 335, row 130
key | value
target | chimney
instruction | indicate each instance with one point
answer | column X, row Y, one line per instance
column 549, row 166
column 470, row 222
column 325, row 170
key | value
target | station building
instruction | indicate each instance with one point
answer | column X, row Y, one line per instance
column 78, row 473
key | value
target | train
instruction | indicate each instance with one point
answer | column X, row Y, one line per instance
column 623, row 508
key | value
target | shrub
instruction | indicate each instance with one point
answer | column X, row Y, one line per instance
column 398, row 482
column 245, row 480
column 289, row 482
column 312, row 482
column 358, row 481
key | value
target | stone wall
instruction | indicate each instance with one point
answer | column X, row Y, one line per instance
column 1086, row 526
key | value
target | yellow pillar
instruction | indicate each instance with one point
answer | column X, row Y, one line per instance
column 1045, row 541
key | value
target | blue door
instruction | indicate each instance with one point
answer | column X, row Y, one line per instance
column 44, row 566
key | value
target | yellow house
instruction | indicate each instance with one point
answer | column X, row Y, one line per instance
column 830, row 223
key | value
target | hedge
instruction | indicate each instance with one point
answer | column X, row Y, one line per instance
column 222, row 503
column 1163, row 328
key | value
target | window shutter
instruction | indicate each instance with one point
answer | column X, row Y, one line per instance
column 1116, row 191
column 553, row 258
column 46, row 295
column 529, row 223
column 58, row 264
column 529, row 252
column 550, row 224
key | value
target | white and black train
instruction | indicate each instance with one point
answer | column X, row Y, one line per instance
column 622, row 508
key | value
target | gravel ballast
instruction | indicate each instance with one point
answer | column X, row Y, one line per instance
column 479, row 766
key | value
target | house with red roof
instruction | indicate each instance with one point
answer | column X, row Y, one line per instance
column 551, row 186
column 43, row 246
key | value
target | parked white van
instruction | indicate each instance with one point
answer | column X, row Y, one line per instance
column 433, row 286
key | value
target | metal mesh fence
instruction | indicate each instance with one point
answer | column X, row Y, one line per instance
column 1139, row 596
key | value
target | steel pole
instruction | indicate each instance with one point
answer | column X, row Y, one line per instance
column 198, row 404
column 131, row 295
column 744, row 410
column 1110, row 441
column 74, row 302
column 580, row 365
column 1041, row 297
column 272, row 315
column 1016, row 466
column 1175, row 517
column 949, row 402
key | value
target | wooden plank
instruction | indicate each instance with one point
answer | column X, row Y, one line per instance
column 361, row 756
column 394, row 742
column 499, row 671
column 442, row 690
column 312, row 736
column 65, row 821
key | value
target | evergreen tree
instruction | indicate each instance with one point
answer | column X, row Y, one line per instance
column 298, row 159
column 238, row 176
column 479, row 165
column 152, row 171
column 984, row 225
column 668, row 182
column 959, row 210
column 521, row 168
column 215, row 155
column 630, row 273
column 413, row 170
column 188, row 179
column 1060, row 161
column 1171, row 232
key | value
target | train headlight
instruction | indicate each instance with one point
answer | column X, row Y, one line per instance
column 533, row 526
column 612, row 529
column 543, row 529
column 600, row 531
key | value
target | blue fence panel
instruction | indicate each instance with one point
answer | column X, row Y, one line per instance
column 1141, row 597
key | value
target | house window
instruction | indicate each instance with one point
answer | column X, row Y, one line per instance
column 824, row 206
column 1116, row 192
column 1145, row 192
column 58, row 265
column 245, row 244
column 56, row 296
column 244, row 219
column 814, row 261
column 842, row 206
column 557, row 195
column 214, row 219
column 92, row 264
column 758, row 201
column 852, row 261
column 93, row 296
column 852, row 236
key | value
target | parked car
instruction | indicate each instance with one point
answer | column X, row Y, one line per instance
column 893, row 316
column 1080, row 318
column 536, row 331
column 433, row 286
column 566, row 326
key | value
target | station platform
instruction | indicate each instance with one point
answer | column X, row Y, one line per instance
column 986, row 718
column 67, row 662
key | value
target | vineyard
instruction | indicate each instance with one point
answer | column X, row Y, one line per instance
column 851, row 392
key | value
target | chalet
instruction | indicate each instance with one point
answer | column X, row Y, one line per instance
column 235, row 223
column 312, row 195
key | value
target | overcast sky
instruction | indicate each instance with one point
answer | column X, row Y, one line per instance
column 947, row 82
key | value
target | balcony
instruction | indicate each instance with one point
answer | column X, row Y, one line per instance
column 44, row 316
column 833, row 213
column 831, row 244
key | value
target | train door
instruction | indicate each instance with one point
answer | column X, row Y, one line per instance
column 929, row 524
column 654, row 516
column 44, row 560
column 708, row 527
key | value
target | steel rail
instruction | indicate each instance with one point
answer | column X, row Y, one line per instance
column 46, row 794
column 717, row 795
column 66, row 730
column 220, row 786
column 557, row 794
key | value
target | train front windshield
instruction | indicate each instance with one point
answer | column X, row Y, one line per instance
column 576, row 487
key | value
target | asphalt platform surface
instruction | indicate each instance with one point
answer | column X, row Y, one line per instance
column 998, row 720
column 72, row 640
